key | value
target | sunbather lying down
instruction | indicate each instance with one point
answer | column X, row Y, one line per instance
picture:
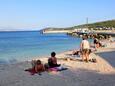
column 38, row 66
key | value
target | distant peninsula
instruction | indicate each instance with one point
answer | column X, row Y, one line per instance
column 103, row 25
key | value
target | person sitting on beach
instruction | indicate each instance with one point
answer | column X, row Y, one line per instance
column 85, row 49
column 95, row 43
column 52, row 61
column 111, row 39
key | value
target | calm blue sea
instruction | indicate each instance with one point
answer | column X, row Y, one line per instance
column 25, row 45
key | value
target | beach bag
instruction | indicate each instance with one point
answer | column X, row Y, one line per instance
column 94, row 60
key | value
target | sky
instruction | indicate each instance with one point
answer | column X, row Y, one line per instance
column 39, row 14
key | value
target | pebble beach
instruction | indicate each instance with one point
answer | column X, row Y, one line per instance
column 101, row 73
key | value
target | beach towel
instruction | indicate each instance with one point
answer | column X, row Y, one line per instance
column 61, row 68
column 58, row 69
column 31, row 71
column 55, row 69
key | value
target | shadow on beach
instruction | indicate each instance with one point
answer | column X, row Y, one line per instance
column 109, row 56
column 86, row 77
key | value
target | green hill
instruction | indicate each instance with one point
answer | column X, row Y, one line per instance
column 107, row 24
column 103, row 24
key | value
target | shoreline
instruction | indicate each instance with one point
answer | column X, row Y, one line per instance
column 63, row 54
column 79, row 73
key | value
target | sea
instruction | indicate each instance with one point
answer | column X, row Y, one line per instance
column 25, row 45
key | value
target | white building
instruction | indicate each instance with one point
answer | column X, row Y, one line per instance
column 82, row 30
